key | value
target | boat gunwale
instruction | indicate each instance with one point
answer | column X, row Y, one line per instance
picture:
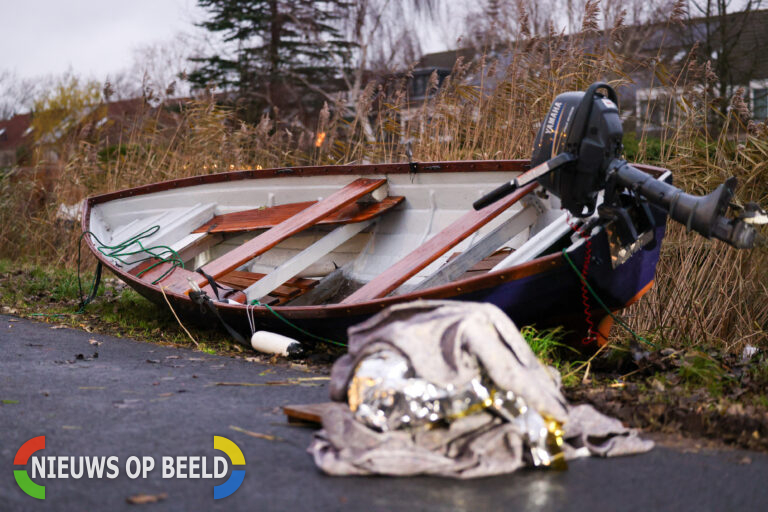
column 446, row 291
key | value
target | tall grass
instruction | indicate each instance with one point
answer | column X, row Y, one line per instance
column 489, row 109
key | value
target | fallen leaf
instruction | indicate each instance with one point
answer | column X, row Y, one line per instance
column 143, row 499
column 13, row 319
column 92, row 387
column 251, row 433
column 153, row 361
column 71, row 427
column 8, row 402
column 166, row 394
column 173, row 357
column 59, row 327
column 745, row 460
column 94, row 342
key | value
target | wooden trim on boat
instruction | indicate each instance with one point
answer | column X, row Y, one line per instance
column 242, row 280
column 269, row 217
column 435, row 247
column 332, row 170
column 292, row 225
column 176, row 279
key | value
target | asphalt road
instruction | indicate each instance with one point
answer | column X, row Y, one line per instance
column 140, row 399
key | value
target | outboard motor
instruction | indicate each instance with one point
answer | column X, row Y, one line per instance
column 577, row 154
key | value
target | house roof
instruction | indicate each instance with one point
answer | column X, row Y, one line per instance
column 112, row 121
column 445, row 59
column 748, row 58
column 14, row 131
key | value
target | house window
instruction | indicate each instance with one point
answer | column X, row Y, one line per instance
column 760, row 103
column 656, row 111
column 420, row 85
column 420, row 81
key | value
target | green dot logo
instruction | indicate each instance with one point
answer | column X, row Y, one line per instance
column 22, row 477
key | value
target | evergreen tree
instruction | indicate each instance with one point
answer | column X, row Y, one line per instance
column 279, row 51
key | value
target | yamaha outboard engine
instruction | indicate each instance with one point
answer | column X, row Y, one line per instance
column 577, row 154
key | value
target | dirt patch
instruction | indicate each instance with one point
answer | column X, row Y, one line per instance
column 695, row 394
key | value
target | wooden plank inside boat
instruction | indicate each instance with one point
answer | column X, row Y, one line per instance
column 291, row 289
column 176, row 278
column 264, row 218
column 302, row 220
column 435, row 247
column 304, row 259
column 240, row 279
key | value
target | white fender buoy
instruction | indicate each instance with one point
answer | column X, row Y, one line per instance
column 273, row 343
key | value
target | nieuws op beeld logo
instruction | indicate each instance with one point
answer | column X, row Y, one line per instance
column 184, row 466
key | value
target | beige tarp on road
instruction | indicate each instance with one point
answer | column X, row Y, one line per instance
column 449, row 344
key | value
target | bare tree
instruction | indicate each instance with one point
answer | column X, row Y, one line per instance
column 492, row 22
column 157, row 71
column 386, row 35
column 730, row 49
column 16, row 94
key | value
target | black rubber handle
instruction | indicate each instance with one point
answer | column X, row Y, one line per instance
column 494, row 195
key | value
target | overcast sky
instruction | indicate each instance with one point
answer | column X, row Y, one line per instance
column 92, row 37
column 95, row 37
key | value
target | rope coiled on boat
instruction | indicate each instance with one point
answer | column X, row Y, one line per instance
column 120, row 251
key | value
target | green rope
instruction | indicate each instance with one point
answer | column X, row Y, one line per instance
column 602, row 304
column 163, row 253
column 121, row 250
column 281, row 317
column 87, row 300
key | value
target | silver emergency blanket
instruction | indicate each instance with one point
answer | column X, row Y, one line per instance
column 452, row 389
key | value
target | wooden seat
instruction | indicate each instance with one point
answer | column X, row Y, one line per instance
column 288, row 227
column 264, row 218
column 435, row 247
column 289, row 290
